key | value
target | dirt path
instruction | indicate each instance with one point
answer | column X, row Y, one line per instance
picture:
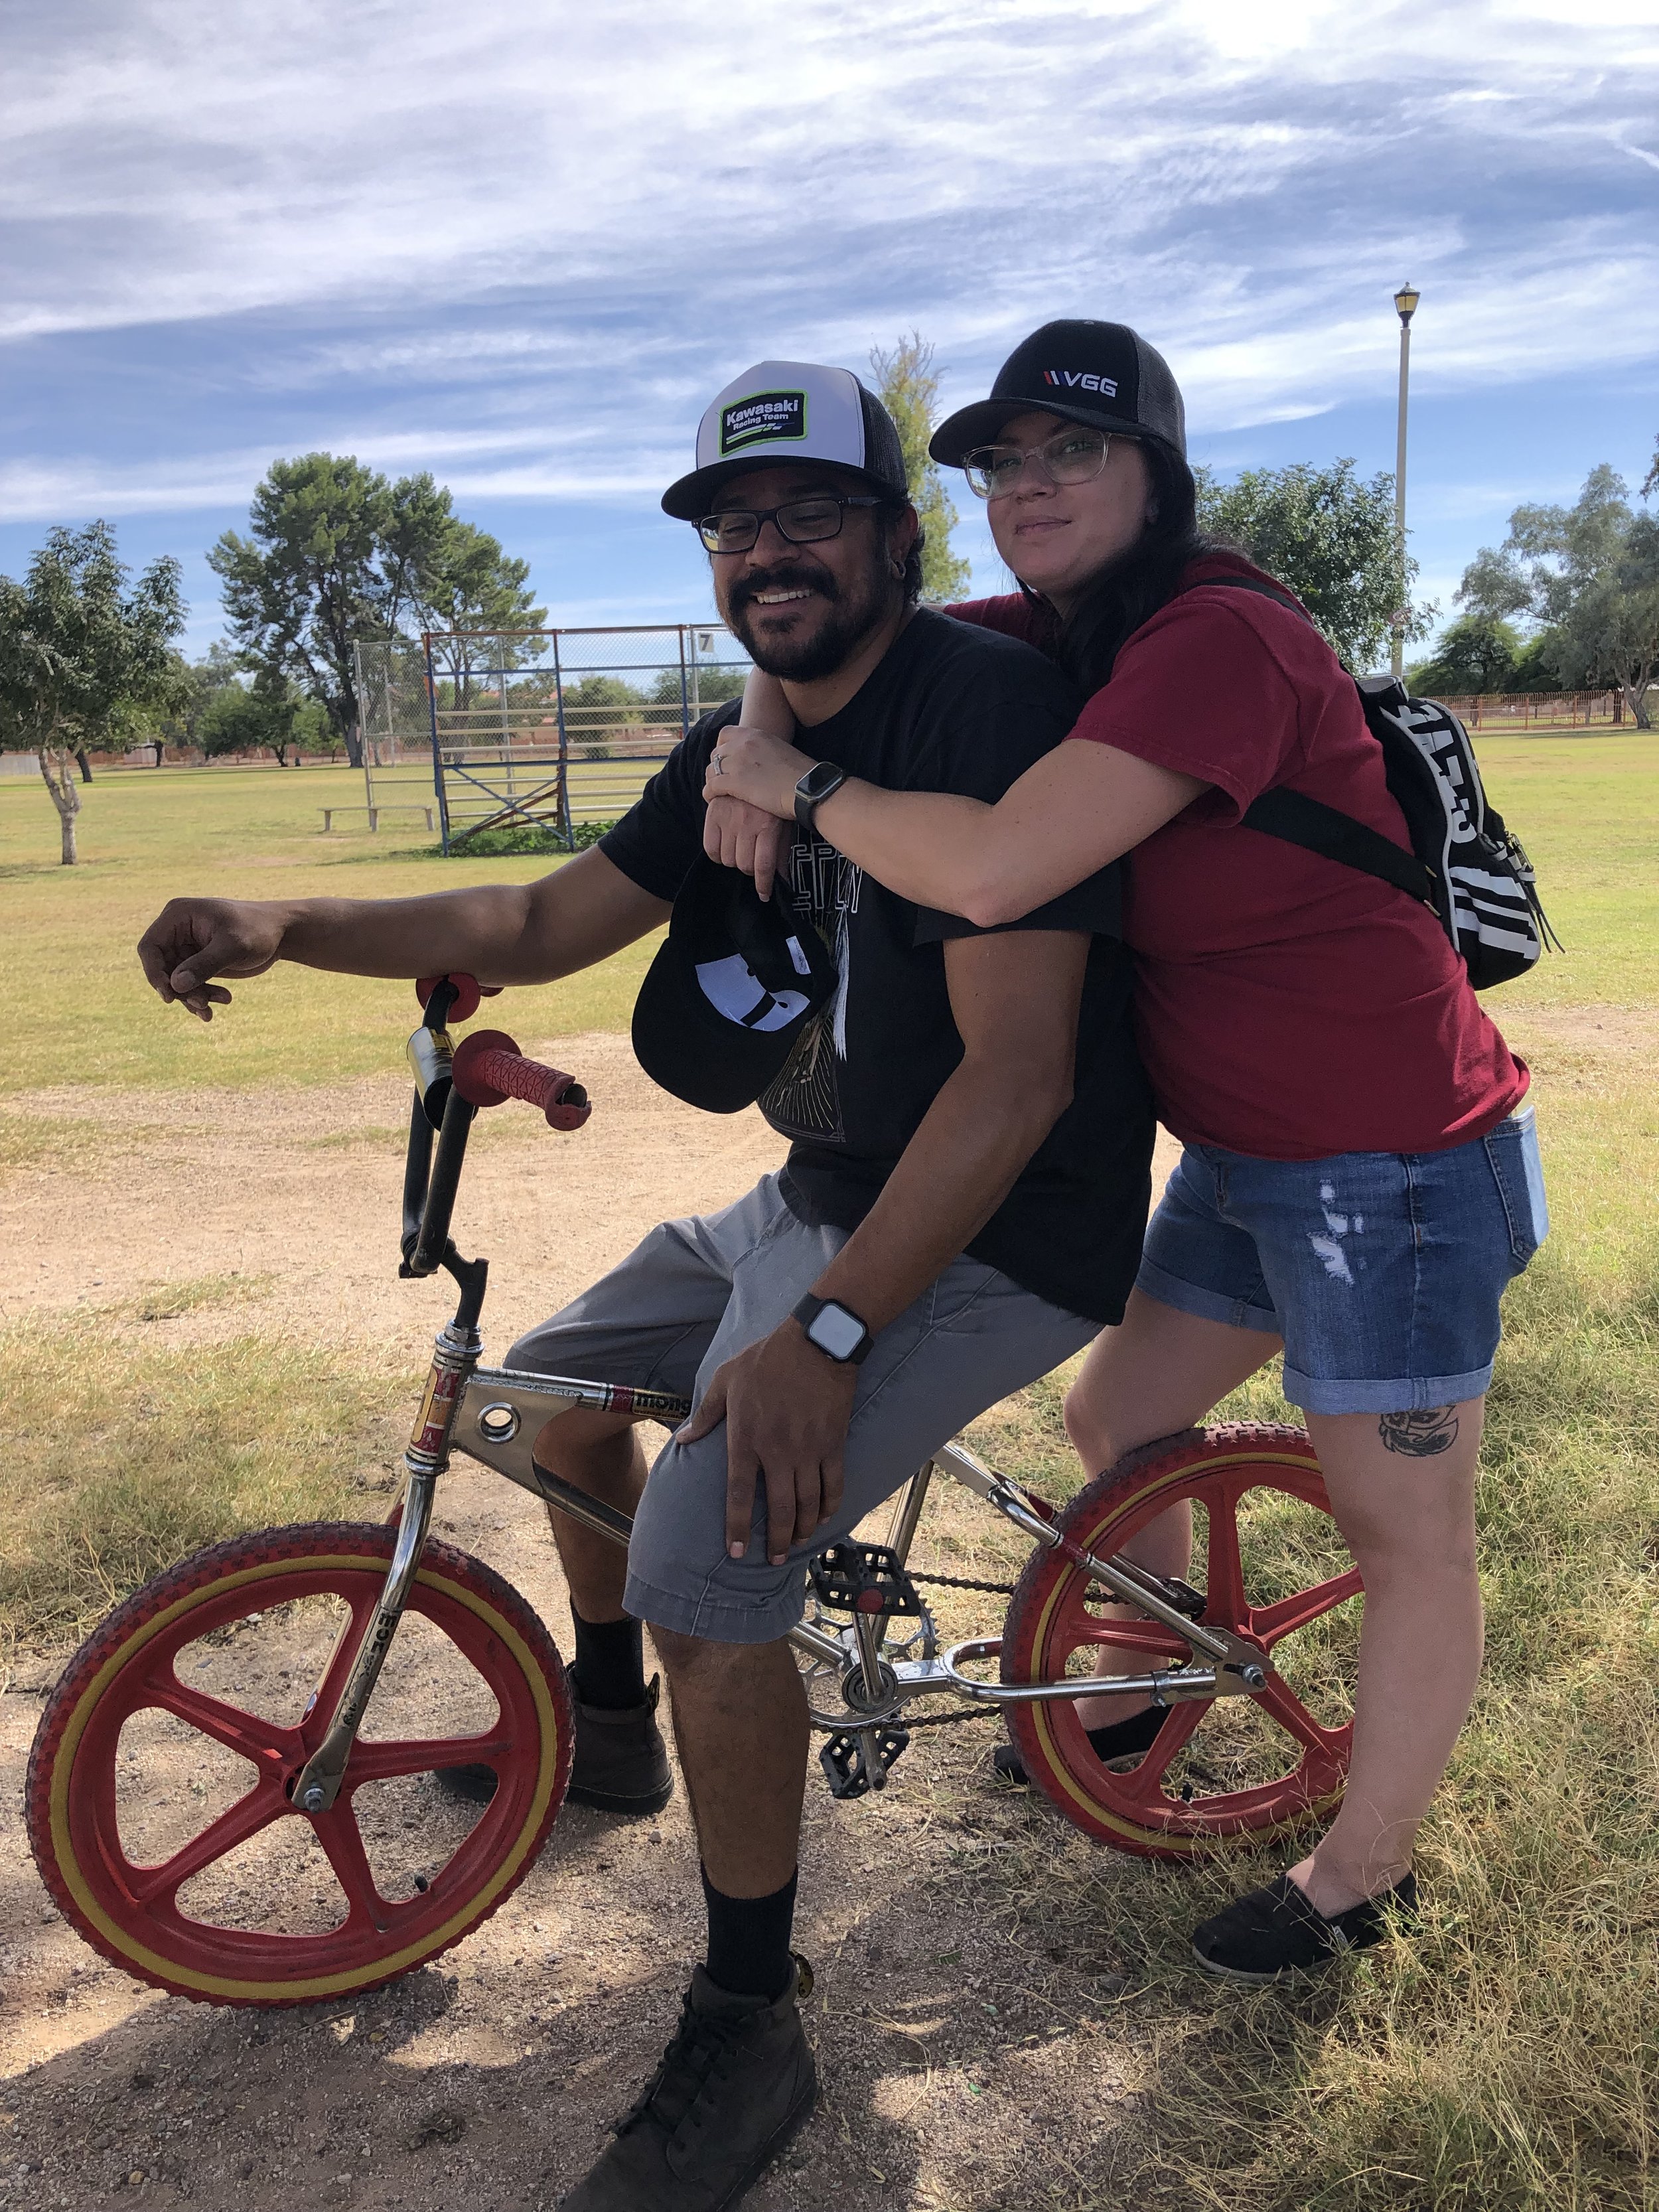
column 944, row 2020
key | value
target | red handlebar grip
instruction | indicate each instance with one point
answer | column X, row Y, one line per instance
column 489, row 1068
column 469, row 989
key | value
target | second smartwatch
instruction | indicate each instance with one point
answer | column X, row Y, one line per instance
column 835, row 1330
column 820, row 781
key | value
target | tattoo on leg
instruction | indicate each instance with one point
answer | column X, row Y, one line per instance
column 1422, row 1435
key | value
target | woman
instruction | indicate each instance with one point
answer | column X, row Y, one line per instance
column 1360, row 1175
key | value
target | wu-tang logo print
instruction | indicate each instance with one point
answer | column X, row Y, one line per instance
column 804, row 1100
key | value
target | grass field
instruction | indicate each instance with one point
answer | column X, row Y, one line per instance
column 246, row 833
column 1506, row 2059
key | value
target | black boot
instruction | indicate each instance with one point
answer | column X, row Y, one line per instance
column 1117, row 1739
column 620, row 1761
column 735, row 2084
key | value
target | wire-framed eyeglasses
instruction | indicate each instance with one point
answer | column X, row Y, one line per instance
column 1071, row 457
column 801, row 521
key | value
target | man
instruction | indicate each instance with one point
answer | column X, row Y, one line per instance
column 960, row 1211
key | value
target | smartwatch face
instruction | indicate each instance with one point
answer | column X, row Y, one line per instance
column 836, row 1332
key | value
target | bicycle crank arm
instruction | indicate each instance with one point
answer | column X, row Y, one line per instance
column 319, row 1785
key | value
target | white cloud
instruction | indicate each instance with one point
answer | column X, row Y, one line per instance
column 518, row 243
column 208, row 156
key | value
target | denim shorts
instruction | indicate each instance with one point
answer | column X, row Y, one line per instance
column 1381, row 1271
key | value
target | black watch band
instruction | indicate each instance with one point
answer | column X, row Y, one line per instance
column 833, row 1329
column 820, row 782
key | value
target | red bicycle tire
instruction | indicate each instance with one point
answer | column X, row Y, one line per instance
column 1132, row 1811
column 129, row 1912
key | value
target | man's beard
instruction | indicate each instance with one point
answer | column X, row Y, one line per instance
column 821, row 651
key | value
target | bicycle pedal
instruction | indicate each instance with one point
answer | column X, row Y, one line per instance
column 845, row 1767
column 863, row 1578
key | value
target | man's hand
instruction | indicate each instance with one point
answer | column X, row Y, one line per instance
column 745, row 837
column 193, row 939
column 785, row 1408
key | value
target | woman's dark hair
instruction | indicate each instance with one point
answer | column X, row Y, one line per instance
column 1142, row 579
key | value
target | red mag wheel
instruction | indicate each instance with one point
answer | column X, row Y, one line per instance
column 1272, row 1567
column 158, row 1794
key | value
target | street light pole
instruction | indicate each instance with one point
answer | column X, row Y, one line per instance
column 1405, row 302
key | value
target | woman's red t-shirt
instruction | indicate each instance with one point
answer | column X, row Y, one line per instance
column 1289, row 1007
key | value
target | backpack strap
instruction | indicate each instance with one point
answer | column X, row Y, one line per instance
column 1299, row 820
column 1317, row 828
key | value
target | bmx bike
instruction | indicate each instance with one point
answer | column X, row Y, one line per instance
column 230, row 1793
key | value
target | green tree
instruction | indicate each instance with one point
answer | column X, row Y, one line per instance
column 465, row 587
column 336, row 556
column 1478, row 652
column 1330, row 535
column 192, row 687
column 717, row 681
column 261, row 717
column 596, row 706
column 81, row 654
column 1533, row 670
column 1589, row 575
column 908, row 385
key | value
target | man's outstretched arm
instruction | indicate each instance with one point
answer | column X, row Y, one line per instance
column 500, row 933
column 1016, row 997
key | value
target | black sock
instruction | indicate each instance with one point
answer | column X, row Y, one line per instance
column 749, row 1941
column 609, row 1668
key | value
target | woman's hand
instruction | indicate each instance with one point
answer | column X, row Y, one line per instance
column 738, row 835
column 747, row 764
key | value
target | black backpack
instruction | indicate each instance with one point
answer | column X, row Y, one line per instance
column 1464, row 863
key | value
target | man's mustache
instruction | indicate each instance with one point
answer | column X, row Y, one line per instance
column 788, row 577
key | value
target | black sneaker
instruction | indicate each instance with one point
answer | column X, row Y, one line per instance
column 1278, row 1930
column 735, row 2084
column 620, row 1763
column 1117, row 1739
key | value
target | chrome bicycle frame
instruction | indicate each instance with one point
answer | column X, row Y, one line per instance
column 495, row 1415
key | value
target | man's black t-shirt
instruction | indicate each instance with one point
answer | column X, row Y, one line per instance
column 948, row 707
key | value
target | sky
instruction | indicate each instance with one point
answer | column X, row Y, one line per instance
column 523, row 245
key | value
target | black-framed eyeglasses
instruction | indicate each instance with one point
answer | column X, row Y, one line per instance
column 801, row 521
column 1075, row 456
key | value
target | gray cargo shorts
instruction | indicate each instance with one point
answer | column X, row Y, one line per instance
column 693, row 1293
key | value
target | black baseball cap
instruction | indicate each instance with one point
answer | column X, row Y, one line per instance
column 790, row 410
column 734, row 984
column 1102, row 373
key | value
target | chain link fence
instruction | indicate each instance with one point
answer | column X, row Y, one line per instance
column 543, row 728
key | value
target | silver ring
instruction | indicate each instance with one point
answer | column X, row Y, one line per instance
column 720, row 765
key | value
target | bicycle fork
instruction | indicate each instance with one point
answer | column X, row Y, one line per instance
column 454, row 1356
column 494, row 1415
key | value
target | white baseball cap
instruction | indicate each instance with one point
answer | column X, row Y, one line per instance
column 790, row 410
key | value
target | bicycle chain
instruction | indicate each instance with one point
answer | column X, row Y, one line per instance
column 965, row 1582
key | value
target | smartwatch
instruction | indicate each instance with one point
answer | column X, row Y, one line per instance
column 820, row 781
column 834, row 1330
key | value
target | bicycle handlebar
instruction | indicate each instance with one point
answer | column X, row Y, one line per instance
column 452, row 1082
column 489, row 1068
column 466, row 990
